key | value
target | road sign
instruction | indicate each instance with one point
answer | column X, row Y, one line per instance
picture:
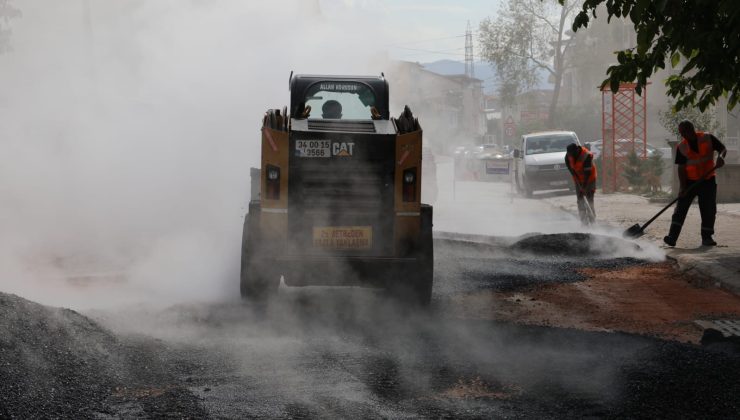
column 509, row 127
column 509, row 130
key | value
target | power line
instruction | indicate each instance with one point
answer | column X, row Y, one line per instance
column 442, row 52
column 420, row 41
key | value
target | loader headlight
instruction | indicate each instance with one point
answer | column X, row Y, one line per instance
column 272, row 183
column 408, row 177
column 409, row 185
column 273, row 174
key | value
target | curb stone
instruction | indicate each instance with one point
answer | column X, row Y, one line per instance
column 710, row 267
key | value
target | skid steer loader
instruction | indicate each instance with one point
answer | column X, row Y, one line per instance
column 338, row 194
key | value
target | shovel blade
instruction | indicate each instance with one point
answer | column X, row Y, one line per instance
column 635, row 231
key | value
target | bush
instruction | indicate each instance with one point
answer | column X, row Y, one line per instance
column 634, row 171
column 643, row 175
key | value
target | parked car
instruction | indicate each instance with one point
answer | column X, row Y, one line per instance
column 493, row 163
column 540, row 162
column 596, row 147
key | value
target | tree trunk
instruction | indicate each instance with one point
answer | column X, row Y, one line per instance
column 554, row 101
column 558, row 66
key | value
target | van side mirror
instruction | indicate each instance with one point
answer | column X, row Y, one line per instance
column 517, row 154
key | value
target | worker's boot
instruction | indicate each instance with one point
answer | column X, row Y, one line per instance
column 706, row 240
column 673, row 233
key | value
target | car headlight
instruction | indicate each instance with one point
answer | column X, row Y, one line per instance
column 532, row 168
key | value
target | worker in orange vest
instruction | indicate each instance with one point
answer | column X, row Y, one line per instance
column 695, row 160
column 580, row 163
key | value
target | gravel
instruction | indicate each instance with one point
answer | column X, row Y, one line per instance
column 57, row 363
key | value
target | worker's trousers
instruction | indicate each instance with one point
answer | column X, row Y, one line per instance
column 707, row 193
column 587, row 217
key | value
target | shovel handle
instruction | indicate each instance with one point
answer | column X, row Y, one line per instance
column 677, row 198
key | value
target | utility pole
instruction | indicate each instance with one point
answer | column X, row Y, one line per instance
column 469, row 62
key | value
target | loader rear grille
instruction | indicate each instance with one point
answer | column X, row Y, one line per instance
column 360, row 187
column 327, row 192
column 342, row 126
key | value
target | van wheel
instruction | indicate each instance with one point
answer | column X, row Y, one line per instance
column 526, row 189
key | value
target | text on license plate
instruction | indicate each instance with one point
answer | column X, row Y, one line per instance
column 343, row 237
column 313, row 148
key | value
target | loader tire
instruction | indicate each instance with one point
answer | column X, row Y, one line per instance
column 425, row 279
column 414, row 284
column 258, row 280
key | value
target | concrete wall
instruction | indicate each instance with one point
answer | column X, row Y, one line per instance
column 728, row 184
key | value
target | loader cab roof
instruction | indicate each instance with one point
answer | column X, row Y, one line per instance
column 356, row 94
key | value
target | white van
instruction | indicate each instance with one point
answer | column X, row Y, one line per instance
column 540, row 162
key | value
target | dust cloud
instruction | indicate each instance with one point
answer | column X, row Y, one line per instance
column 127, row 130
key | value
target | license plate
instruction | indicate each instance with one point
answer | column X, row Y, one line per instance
column 558, row 183
column 313, row 148
column 343, row 237
column 494, row 167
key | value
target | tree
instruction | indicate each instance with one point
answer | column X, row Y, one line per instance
column 7, row 12
column 700, row 37
column 633, row 170
column 653, row 169
column 528, row 36
column 703, row 121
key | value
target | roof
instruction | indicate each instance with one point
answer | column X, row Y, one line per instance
column 549, row 133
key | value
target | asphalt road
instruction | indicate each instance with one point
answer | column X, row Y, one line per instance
column 358, row 353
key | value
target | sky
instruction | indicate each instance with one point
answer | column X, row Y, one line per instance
column 417, row 30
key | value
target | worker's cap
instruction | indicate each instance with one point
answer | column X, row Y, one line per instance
column 572, row 148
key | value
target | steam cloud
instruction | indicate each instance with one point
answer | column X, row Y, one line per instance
column 127, row 131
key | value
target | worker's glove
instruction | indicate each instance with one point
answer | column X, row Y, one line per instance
column 720, row 162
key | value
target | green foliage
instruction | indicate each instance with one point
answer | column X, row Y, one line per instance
column 701, row 37
column 653, row 168
column 703, row 121
column 633, row 170
column 643, row 175
column 7, row 12
column 526, row 37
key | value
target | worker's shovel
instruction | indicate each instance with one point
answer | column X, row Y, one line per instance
column 635, row 231
column 591, row 214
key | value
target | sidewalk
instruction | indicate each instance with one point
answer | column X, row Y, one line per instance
column 720, row 265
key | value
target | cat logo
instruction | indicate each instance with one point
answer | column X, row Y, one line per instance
column 342, row 149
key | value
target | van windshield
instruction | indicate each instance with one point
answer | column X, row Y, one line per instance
column 547, row 144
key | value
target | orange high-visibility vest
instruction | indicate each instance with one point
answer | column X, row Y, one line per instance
column 698, row 164
column 580, row 175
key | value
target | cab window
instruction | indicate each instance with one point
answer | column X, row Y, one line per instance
column 340, row 100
